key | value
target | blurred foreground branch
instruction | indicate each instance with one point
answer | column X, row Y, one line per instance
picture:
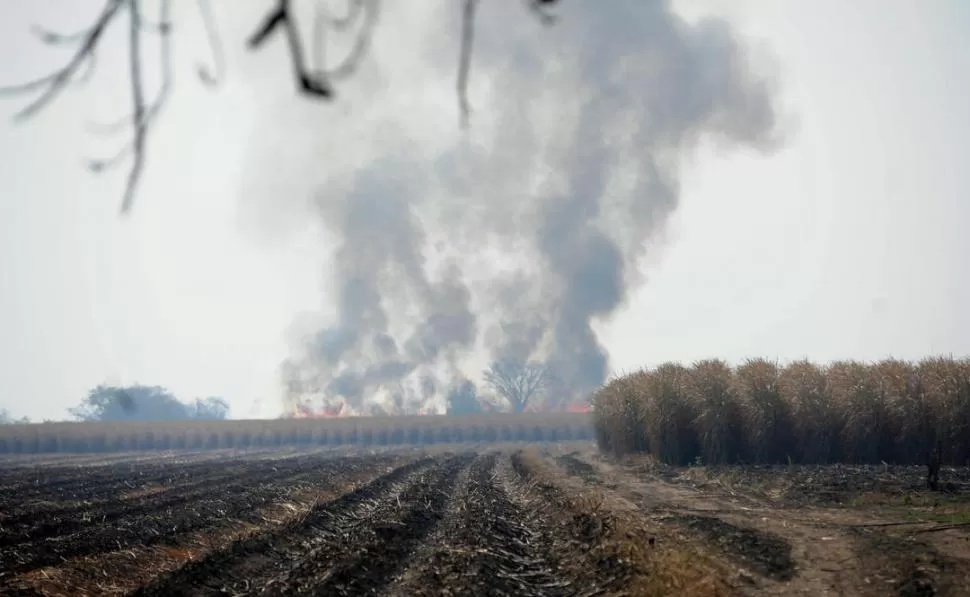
column 316, row 82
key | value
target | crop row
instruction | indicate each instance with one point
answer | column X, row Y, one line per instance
column 759, row 412
column 124, row 436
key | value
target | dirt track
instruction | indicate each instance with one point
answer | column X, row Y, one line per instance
column 499, row 521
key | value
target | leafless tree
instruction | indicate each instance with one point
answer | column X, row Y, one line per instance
column 517, row 381
column 463, row 399
column 317, row 83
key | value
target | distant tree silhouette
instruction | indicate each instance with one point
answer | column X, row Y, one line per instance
column 463, row 399
column 211, row 408
column 7, row 419
column 145, row 403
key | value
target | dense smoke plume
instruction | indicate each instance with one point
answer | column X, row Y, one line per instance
column 510, row 242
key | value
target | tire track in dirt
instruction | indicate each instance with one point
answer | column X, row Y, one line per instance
column 575, row 466
column 167, row 524
column 769, row 559
column 761, row 552
column 348, row 545
column 488, row 545
column 827, row 557
column 868, row 553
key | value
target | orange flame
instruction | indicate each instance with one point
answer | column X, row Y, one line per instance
column 331, row 411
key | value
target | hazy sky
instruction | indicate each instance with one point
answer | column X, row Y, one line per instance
column 848, row 242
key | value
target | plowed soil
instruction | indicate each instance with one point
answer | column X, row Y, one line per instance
column 559, row 520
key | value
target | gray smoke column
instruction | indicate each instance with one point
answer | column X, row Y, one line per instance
column 515, row 240
column 380, row 273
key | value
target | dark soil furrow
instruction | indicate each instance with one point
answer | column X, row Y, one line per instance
column 71, row 460
column 107, row 480
column 487, row 546
column 523, row 520
column 578, row 537
column 249, row 565
column 167, row 526
column 360, row 559
column 36, row 526
column 120, row 484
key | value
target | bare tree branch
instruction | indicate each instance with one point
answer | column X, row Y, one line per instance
column 280, row 16
column 467, row 43
column 213, row 76
column 164, row 30
column 354, row 8
column 369, row 11
column 142, row 115
column 465, row 57
column 539, row 8
column 138, row 100
column 53, row 84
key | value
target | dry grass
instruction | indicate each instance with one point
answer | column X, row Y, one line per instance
column 891, row 411
column 368, row 431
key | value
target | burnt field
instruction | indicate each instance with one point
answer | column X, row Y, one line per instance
column 465, row 519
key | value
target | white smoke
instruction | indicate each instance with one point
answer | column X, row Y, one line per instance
column 444, row 250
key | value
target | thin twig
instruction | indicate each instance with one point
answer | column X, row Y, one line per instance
column 465, row 57
column 280, row 16
column 539, row 8
column 362, row 42
column 869, row 525
column 354, row 8
column 309, row 85
column 52, row 84
column 138, row 100
column 54, row 38
column 215, row 46
column 165, row 32
column 142, row 115
column 317, row 83
column 320, row 22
